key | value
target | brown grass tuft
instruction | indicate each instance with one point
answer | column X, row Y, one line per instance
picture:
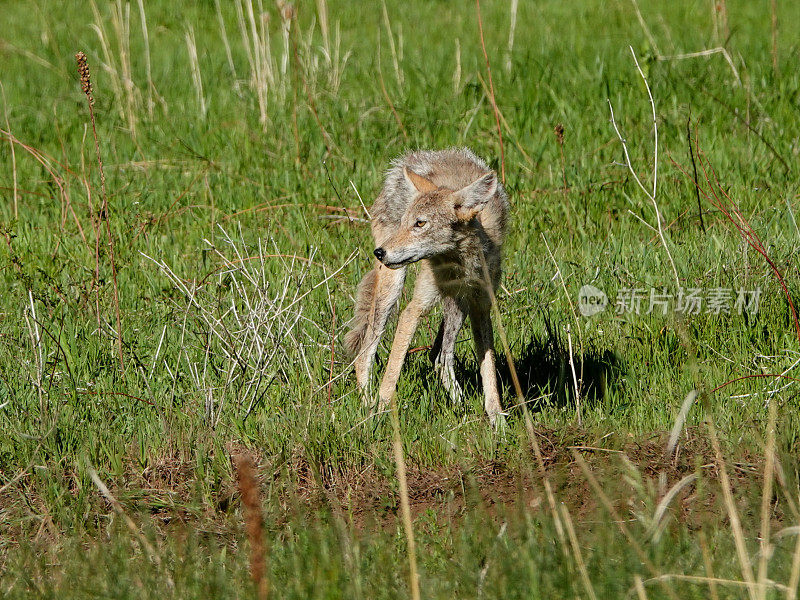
column 253, row 522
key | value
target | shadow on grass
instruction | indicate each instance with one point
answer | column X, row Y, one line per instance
column 545, row 373
column 543, row 367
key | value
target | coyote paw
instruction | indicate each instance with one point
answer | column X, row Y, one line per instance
column 499, row 422
column 367, row 398
column 456, row 394
column 448, row 376
column 384, row 400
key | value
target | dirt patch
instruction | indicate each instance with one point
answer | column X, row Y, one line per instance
column 634, row 477
column 634, row 474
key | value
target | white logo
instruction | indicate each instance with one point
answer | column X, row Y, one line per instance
column 591, row 300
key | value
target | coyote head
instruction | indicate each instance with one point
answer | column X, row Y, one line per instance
column 436, row 219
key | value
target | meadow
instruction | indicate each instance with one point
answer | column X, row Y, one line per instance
column 181, row 302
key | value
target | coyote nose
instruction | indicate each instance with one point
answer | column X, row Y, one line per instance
column 380, row 253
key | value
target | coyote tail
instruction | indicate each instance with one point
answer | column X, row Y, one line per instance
column 364, row 312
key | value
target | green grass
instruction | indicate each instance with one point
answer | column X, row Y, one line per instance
column 199, row 192
column 476, row 560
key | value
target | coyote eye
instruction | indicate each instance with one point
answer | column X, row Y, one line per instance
column 420, row 223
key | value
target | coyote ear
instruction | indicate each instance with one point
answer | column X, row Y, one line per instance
column 420, row 183
column 470, row 200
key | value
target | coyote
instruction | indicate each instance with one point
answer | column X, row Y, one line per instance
column 447, row 210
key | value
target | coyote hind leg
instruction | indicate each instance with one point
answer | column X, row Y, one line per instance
column 480, row 317
column 443, row 352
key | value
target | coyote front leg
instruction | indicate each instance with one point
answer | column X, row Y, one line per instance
column 425, row 296
column 380, row 301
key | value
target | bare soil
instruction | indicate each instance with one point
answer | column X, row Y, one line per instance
column 634, row 475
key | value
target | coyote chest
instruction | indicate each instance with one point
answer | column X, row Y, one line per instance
column 446, row 210
column 458, row 275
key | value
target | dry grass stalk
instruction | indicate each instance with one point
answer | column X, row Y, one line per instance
column 512, row 27
column 487, row 563
column 226, row 43
column 712, row 586
column 257, row 333
column 658, row 522
column 269, row 74
column 751, row 587
column 119, row 68
column 253, row 522
column 766, row 502
column 121, row 21
column 677, row 428
column 194, row 63
column 287, row 14
column 115, row 504
column 360, row 200
column 457, row 69
column 86, row 85
column 491, row 93
column 794, row 577
column 259, row 54
column 151, row 89
column 576, row 550
column 336, row 62
column 13, row 156
column 405, row 505
column 686, row 55
column 537, row 451
column 386, row 94
column 51, row 165
column 733, row 515
column 577, row 381
column 621, row 524
column 36, row 346
column 774, row 7
column 143, row 542
column 387, row 23
column 703, row 54
column 333, row 347
column 629, row 164
column 503, row 122
column 648, row 34
column 722, row 11
column 640, row 591
column 322, row 13
column 714, row 21
column 308, row 71
column 93, row 215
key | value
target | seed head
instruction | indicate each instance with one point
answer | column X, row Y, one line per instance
column 559, row 131
column 86, row 78
column 287, row 10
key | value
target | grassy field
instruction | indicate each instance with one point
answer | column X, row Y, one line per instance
column 242, row 146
